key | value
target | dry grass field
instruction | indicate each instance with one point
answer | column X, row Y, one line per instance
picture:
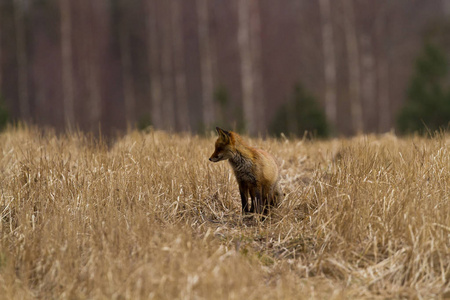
column 149, row 217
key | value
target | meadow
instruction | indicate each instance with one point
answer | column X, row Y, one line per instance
column 147, row 216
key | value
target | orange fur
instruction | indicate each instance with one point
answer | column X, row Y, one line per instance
column 255, row 170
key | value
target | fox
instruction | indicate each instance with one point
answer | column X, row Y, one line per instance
column 255, row 170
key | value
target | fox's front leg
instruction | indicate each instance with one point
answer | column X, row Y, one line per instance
column 256, row 196
column 243, row 190
column 265, row 201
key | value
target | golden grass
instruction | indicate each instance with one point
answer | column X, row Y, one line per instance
column 151, row 217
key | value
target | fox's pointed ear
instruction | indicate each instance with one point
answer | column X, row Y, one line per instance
column 220, row 131
column 223, row 133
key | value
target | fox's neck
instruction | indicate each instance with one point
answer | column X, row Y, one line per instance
column 239, row 159
column 242, row 163
column 243, row 154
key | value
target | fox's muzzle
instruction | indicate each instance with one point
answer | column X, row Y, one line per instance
column 215, row 158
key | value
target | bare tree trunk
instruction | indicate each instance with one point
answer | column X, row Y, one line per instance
column 93, row 59
column 248, row 97
column 22, row 59
column 255, row 46
column 154, row 63
column 66, row 62
column 1, row 59
column 125, row 59
column 167, row 69
column 206, row 63
column 446, row 7
column 384, row 110
column 368, row 82
column 329, row 63
column 382, row 70
column 179, row 66
column 353, row 66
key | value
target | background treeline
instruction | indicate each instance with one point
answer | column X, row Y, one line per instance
column 254, row 65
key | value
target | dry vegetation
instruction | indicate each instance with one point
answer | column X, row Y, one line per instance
column 150, row 217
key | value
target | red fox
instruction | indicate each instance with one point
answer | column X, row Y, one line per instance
column 255, row 170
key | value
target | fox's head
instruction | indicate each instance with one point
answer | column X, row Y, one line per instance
column 224, row 146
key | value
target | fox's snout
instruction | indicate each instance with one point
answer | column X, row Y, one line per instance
column 214, row 158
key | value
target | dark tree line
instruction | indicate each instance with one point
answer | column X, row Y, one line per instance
column 190, row 64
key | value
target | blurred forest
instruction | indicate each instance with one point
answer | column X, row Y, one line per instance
column 188, row 65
